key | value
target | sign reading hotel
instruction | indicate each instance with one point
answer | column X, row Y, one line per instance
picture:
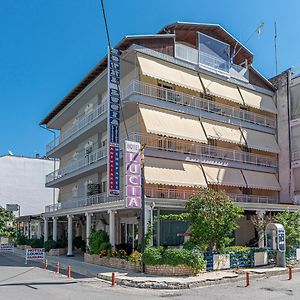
column 113, row 123
column 132, row 179
column 35, row 254
column 6, row 247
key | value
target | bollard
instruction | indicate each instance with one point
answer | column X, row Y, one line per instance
column 57, row 268
column 113, row 279
column 46, row 264
column 247, row 279
column 69, row 271
column 290, row 273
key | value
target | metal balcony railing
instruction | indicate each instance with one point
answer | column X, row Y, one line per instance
column 74, row 165
column 83, row 120
column 173, row 145
column 153, row 91
column 164, row 193
column 81, row 202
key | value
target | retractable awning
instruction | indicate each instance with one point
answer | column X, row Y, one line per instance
column 260, row 140
column 221, row 89
column 224, row 176
column 261, row 180
column 173, row 172
column 172, row 124
column 169, row 72
column 223, row 132
column 259, row 101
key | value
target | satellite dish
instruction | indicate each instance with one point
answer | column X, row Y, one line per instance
column 10, row 153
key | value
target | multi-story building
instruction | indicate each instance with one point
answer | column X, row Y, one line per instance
column 206, row 117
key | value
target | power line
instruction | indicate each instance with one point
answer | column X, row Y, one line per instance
column 113, row 65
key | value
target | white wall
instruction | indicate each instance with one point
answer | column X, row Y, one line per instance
column 22, row 181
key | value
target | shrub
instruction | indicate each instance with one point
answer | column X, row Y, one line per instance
column 37, row 243
column 237, row 250
column 78, row 242
column 61, row 243
column 21, row 239
column 50, row 244
column 176, row 257
column 153, row 256
column 105, row 246
column 96, row 239
column 122, row 254
column 135, row 257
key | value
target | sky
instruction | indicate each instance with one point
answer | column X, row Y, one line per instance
column 48, row 46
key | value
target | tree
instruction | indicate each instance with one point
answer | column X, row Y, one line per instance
column 291, row 224
column 260, row 221
column 5, row 217
column 213, row 218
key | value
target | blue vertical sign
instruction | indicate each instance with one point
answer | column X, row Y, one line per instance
column 113, row 122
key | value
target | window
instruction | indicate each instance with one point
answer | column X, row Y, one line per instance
column 166, row 92
column 75, row 191
column 103, row 186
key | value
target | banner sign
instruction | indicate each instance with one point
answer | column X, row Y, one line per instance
column 132, row 179
column 113, row 123
column 35, row 254
column 7, row 247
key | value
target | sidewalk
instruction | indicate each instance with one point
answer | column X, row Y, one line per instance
column 140, row 280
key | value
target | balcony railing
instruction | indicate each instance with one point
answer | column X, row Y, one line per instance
column 164, row 193
column 153, row 91
column 81, row 202
column 74, row 165
column 296, row 155
column 83, row 120
column 173, row 145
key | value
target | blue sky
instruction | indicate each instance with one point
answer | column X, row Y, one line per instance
column 46, row 47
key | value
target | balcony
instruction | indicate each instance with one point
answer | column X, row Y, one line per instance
column 167, row 95
column 81, row 202
column 164, row 193
column 75, row 165
column 204, row 150
column 83, row 121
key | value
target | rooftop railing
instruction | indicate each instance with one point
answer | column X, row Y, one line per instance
column 153, row 91
column 173, row 145
column 82, row 121
column 74, row 165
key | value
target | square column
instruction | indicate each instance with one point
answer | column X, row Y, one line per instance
column 70, row 235
column 88, row 227
column 45, row 229
column 39, row 229
column 112, row 231
column 54, row 228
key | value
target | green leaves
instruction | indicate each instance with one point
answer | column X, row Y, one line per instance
column 6, row 216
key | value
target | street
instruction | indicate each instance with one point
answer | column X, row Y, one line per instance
column 20, row 281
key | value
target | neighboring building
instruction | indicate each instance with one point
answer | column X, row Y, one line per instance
column 288, row 98
column 206, row 116
column 22, row 182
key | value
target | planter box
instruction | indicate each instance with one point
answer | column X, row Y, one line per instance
column 27, row 247
column 22, row 247
column 57, row 252
column 260, row 258
column 112, row 262
column 167, row 270
column 221, row 261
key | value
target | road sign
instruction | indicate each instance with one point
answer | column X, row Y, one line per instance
column 34, row 254
column 7, row 247
column 12, row 207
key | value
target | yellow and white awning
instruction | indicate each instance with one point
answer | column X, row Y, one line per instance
column 221, row 88
column 173, row 172
column 261, row 180
column 224, row 176
column 172, row 124
column 260, row 140
column 169, row 72
column 259, row 101
column 223, row 132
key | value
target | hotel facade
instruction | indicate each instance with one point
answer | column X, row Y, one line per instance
column 206, row 117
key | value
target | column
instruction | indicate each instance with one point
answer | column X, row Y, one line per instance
column 45, row 229
column 261, row 228
column 112, row 228
column 88, row 227
column 54, row 228
column 39, row 229
column 70, row 235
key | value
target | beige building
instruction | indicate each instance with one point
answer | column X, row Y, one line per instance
column 206, row 117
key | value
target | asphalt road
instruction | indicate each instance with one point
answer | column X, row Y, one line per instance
column 20, row 281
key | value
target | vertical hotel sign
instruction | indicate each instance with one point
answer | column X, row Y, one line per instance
column 113, row 122
column 133, row 189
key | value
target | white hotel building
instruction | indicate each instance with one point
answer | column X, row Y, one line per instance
column 206, row 116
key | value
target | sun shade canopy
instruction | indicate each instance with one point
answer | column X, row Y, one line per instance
column 169, row 72
column 224, row 176
column 221, row 89
column 223, row 132
column 172, row 124
column 260, row 180
column 259, row 101
column 173, row 172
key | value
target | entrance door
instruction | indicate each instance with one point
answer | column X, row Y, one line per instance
column 129, row 232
